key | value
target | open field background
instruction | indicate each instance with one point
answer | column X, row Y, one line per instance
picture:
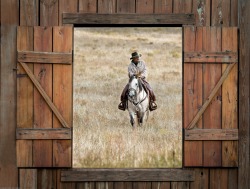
column 103, row 137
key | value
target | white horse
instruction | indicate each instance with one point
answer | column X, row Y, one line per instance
column 138, row 101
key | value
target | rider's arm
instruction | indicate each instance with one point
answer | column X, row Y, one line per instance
column 144, row 72
column 130, row 71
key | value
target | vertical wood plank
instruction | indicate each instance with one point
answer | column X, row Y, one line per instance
column 62, row 94
column 122, row 185
column 180, row 6
column 24, row 99
column 125, row 6
column 142, row 185
column 46, row 178
column 220, row 14
column 212, row 115
column 179, row 185
column 229, row 100
column 234, row 13
column 88, row 6
column 106, row 6
column 67, row 6
column 233, row 178
column 163, row 6
column 85, row 185
column 201, row 179
column 28, row 178
column 9, row 23
column 42, row 112
column 192, row 95
column 244, row 93
column 201, row 10
column 218, row 178
column 161, row 185
column 29, row 12
column 49, row 13
column 144, row 6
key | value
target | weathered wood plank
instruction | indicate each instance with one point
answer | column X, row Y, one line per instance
column 230, row 99
column 211, row 134
column 163, row 6
column 75, row 175
column 85, row 18
column 85, row 185
column 123, row 185
column 29, row 12
column 49, row 15
column 144, row 6
column 218, row 178
column 46, row 97
column 244, row 94
column 220, row 14
column 201, row 179
column 64, row 185
column 37, row 134
column 179, row 185
column 106, row 6
column 142, row 185
column 66, row 6
column 125, row 6
column 62, row 94
column 201, row 10
column 28, row 178
column 212, row 96
column 88, row 6
column 192, row 95
column 180, row 6
column 24, row 149
column 161, row 185
column 46, row 178
column 44, row 57
column 234, row 13
column 24, row 94
column 211, row 57
column 42, row 112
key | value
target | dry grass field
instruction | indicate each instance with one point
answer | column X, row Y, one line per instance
column 103, row 136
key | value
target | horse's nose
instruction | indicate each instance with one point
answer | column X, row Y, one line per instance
column 131, row 93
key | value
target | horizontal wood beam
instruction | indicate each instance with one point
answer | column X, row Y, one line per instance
column 211, row 134
column 76, row 175
column 88, row 18
column 40, row 134
column 44, row 57
column 44, row 95
column 210, row 57
column 211, row 96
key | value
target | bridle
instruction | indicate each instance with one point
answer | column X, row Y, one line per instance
column 132, row 100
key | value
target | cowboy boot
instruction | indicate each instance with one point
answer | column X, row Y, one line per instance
column 122, row 105
column 152, row 106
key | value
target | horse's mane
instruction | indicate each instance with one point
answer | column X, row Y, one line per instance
column 139, row 81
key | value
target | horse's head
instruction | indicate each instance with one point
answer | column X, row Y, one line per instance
column 135, row 86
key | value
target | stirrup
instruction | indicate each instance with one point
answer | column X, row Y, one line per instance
column 122, row 106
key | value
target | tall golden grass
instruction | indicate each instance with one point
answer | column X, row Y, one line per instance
column 103, row 136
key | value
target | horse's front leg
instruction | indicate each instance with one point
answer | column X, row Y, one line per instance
column 132, row 118
column 140, row 118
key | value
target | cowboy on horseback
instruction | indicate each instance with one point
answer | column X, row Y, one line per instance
column 138, row 68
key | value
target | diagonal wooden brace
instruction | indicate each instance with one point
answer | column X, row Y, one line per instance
column 44, row 95
column 211, row 96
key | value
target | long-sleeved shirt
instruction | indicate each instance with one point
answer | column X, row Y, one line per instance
column 140, row 69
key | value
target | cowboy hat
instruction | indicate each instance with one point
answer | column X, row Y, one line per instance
column 135, row 54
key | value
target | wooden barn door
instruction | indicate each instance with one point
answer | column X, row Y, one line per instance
column 210, row 96
column 44, row 96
